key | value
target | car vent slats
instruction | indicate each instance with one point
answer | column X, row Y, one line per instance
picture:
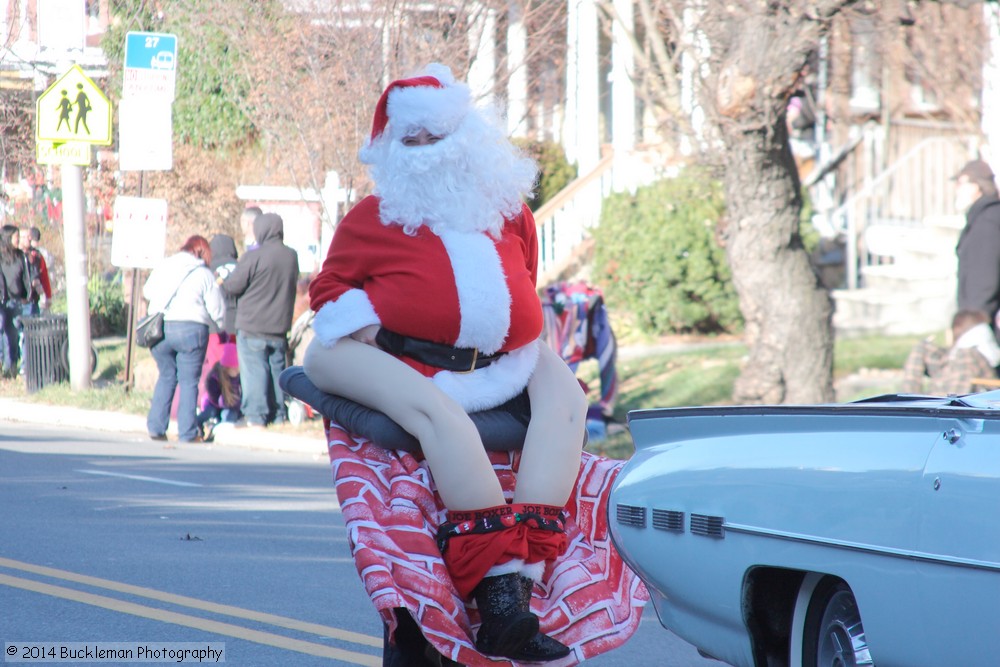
column 631, row 515
column 708, row 526
column 671, row 520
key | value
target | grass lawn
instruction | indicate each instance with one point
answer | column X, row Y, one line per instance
column 655, row 378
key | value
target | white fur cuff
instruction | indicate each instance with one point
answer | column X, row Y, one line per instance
column 533, row 571
column 511, row 566
column 336, row 319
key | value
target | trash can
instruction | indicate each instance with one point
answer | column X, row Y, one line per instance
column 45, row 339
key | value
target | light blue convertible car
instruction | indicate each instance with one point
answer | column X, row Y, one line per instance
column 857, row 534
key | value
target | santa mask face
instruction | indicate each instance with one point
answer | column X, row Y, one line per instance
column 420, row 138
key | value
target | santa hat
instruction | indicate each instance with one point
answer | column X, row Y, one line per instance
column 433, row 101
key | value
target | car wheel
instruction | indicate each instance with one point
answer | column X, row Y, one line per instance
column 64, row 357
column 296, row 413
column 832, row 633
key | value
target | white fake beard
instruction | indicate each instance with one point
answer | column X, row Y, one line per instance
column 470, row 181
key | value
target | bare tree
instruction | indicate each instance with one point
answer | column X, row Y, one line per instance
column 295, row 83
column 317, row 72
column 747, row 58
column 17, row 125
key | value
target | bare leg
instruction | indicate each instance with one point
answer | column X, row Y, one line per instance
column 448, row 438
column 550, row 461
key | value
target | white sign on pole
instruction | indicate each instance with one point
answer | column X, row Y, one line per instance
column 139, row 235
column 145, row 134
column 62, row 24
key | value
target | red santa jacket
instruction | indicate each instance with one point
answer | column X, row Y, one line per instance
column 465, row 289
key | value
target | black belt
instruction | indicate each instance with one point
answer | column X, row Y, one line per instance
column 458, row 359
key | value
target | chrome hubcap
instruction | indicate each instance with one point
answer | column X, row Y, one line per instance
column 842, row 637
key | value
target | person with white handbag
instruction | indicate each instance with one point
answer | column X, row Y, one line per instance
column 185, row 291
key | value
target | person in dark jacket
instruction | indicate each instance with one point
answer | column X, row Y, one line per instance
column 264, row 283
column 15, row 290
column 224, row 258
column 979, row 243
column 41, row 289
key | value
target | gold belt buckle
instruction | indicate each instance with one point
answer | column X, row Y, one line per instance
column 475, row 358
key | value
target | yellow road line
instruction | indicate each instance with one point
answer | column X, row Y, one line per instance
column 196, row 622
column 195, row 603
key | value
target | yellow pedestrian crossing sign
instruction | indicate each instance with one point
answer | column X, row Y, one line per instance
column 73, row 109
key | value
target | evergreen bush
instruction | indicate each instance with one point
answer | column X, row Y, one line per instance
column 656, row 256
column 108, row 310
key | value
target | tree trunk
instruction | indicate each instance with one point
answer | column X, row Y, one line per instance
column 787, row 310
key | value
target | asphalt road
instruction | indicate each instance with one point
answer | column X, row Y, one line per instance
column 108, row 537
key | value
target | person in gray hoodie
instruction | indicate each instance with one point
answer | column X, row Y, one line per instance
column 264, row 283
column 184, row 289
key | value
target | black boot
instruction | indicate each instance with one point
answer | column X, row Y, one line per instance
column 507, row 624
column 411, row 648
column 541, row 647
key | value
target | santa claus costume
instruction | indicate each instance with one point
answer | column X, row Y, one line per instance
column 438, row 270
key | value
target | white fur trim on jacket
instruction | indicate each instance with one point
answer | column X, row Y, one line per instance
column 483, row 295
column 491, row 386
column 336, row 319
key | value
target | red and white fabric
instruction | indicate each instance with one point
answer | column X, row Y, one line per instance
column 588, row 599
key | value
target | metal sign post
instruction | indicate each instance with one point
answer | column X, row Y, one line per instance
column 72, row 114
column 145, row 143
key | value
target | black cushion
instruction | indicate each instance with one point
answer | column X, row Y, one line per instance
column 502, row 428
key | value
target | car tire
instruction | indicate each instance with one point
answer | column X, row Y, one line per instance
column 64, row 357
column 296, row 413
column 832, row 633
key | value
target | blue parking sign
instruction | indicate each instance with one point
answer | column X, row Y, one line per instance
column 150, row 64
column 151, row 50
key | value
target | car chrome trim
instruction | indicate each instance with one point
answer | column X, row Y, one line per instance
column 890, row 552
column 899, row 406
column 669, row 520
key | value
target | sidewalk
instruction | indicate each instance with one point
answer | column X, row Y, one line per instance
column 12, row 410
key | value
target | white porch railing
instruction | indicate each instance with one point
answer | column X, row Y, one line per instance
column 913, row 192
column 565, row 220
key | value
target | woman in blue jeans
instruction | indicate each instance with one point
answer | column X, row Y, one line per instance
column 184, row 289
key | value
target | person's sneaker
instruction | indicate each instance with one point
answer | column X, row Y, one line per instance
column 208, row 431
column 158, row 436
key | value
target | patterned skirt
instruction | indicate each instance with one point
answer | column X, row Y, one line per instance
column 588, row 599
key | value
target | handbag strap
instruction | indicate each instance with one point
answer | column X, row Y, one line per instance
column 167, row 304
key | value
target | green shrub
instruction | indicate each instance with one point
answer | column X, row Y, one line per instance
column 555, row 171
column 108, row 311
column 108, row 308
column 656, row 256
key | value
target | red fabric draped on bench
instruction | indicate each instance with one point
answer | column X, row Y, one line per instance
column 588, row 599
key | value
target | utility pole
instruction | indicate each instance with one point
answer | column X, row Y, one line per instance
column 77, row 299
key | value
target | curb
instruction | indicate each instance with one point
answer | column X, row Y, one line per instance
column 100, row 420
